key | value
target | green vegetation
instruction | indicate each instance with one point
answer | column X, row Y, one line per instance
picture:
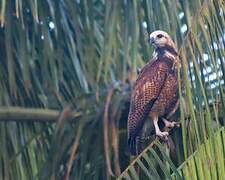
column 66, row 71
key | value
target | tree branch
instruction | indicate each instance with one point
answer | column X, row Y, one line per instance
column 32, row 114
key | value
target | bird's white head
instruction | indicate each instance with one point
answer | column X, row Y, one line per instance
column 161, row 39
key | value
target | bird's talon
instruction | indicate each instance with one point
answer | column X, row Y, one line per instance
column 170, row 124
column 178, row 124
column 163, row 135
column 166, row 138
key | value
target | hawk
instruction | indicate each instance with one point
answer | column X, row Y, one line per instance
column 155, row 92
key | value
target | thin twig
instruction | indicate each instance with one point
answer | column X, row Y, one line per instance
column 106, row 130
column 115, row 145
column 73, row 152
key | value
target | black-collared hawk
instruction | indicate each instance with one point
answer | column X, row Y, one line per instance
column 155, row 92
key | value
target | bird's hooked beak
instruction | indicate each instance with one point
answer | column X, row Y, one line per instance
column 151, row 40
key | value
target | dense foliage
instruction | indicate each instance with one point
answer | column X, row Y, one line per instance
column 66, row 71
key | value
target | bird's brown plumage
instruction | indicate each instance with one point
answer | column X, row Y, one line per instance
column 155, row 92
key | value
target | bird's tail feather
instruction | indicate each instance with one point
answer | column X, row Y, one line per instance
column 133, row 146
column 132, row 133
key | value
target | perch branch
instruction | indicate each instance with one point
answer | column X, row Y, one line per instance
column 18, row 114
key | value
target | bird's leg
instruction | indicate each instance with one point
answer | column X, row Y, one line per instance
column 170, row 124
column 157, row 130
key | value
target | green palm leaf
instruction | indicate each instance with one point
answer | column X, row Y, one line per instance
column 60, row 60
column 206, row 162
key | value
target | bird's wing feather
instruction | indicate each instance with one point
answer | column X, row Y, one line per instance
column 148, row 84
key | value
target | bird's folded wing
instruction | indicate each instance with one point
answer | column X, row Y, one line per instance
column 148, row 85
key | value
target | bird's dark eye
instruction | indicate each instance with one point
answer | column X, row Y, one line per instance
column 159, row 36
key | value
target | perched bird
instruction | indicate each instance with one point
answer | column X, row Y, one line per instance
column 155, row 92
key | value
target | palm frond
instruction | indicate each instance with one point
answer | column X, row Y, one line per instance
column 206, row 162
column 56, row 54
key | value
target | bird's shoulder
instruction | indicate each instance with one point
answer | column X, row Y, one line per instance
column 154, row 67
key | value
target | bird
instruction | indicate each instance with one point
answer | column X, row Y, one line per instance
column 155, row 92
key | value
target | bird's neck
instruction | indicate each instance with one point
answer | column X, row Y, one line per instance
column 167, row 53
column 161, row 51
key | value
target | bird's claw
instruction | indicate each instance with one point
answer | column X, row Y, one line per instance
column 177, row 124
column 163, row 135
column 171, row 124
